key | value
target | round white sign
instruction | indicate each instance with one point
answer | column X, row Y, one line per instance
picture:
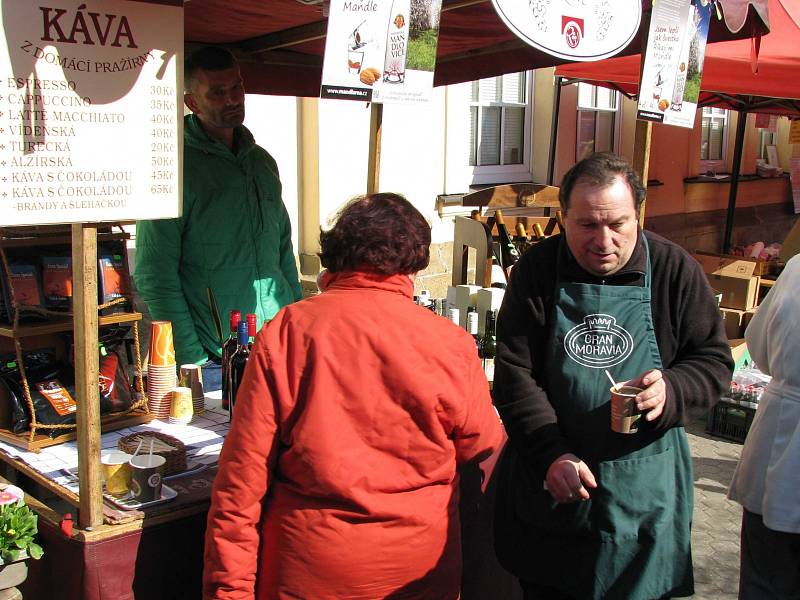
column 579, row 30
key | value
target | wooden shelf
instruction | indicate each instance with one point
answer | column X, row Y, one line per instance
column 59, row 324
column 108, row 423
column 28, row 242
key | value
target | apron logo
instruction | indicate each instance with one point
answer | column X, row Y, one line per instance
column 598, row 342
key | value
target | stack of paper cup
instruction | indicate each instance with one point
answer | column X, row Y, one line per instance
column 192, row 377
column 181, row 407
column 161, row 374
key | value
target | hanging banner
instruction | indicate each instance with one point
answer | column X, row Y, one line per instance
column 673, row 64
column 578, row 31
column 90, row 117
column 381, row 50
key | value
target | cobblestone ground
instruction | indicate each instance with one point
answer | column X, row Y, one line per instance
column 715, row 531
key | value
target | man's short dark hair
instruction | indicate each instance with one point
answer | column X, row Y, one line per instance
column 208, row 58
column 378, row 233
column 601, row 169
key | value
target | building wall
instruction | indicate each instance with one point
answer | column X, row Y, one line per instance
column 424, row 155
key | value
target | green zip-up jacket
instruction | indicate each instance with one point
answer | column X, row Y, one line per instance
column 234, row 237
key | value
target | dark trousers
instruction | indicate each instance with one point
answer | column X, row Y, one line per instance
column 770, row 564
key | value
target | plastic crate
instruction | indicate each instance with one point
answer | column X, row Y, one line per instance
column 730, row 420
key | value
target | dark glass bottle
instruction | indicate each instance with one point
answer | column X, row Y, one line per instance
column 508, row 251
column 228, row 348
column 489, row 344
column 251, row 330
column 472, row 329
column 238, row 363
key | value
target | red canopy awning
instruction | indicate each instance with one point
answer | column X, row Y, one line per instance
column 281, row 43
column 728, row 79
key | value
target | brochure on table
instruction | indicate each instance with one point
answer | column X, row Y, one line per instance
column 673, row 65
column 381, row 50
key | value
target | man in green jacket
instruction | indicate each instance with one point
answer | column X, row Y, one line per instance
column 233, row 235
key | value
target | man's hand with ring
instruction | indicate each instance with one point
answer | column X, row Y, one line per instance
column 567, row 479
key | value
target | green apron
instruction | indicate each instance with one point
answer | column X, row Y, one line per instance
column 631, row 540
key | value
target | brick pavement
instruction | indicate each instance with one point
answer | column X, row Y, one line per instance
column 715, row 531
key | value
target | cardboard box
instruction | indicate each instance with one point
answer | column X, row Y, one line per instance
column 732, row 277
column 741, row 356
column 462, row 297
column 732, row 319
column 728, row 264
column 747, row 316
column 737, row 292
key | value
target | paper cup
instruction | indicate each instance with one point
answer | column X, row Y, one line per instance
column 162, row 350
column 146, row 477
column 624, row 414
column 192, row 377
column 181, row 410
column 116, row 472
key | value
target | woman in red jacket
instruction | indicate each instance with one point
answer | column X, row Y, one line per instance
column 338, row 478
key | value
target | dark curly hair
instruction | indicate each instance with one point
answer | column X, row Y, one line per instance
column 601, row 169
column 378, row 233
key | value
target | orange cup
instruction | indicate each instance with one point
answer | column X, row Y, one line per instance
column 162, row 350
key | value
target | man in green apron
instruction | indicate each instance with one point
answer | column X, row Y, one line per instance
column 583, row 511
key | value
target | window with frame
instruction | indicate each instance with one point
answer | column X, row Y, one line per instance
column 597, row 120
column 499, row 135
column 713, row 138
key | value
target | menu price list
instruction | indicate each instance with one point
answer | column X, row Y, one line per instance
column 51, row 163
column 163, row 148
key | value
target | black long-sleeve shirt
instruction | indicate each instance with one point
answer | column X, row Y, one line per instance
column 691, row 339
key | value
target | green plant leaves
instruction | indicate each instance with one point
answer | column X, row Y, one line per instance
column 18, row 528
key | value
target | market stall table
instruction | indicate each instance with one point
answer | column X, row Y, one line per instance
column 155, row 552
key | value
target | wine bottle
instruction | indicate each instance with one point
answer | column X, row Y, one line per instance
column 472, row 329
column 228, row 348
column 508, row 251
column 251, row 330
column 454, row 315
column 489, row 344
column 238, row 363
column 394, row 65
column 521, row 240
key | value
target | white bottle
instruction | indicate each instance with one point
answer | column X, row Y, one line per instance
column 394, row 64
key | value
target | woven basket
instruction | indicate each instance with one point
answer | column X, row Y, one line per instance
column 171, row 448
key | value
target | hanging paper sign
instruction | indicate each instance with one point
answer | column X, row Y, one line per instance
column 381, row 50
column 90, row 116
column 794, row 131
column 578, row 31
column 773, row 124
column 673, row 64
column 762, row 120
